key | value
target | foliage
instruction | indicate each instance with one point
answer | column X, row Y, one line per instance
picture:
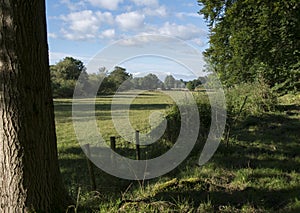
column 193, row 84
column 68, row 69
column 64, row 76
column 119, row 79
column 169, row 82
column 190, row 86
column 149, row 82
column 248, row 99
column 173, row 123
column 250, row 38
column 173, row 117
column 260, row 99
column 292, row 80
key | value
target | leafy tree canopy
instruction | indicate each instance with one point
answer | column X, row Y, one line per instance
column 68, row 69
column 64, row 75
column 169, row 82
column 120, row 78
column 151, row 81
column 251, row 39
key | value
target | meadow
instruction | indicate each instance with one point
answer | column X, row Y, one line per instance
column 258, row 170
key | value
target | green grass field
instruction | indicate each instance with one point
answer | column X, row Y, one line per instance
column 258, row 172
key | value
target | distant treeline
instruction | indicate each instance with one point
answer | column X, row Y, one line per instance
column 65, row 74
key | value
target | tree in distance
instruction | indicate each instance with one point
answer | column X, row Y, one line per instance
column 169, row 82
column 64, row 76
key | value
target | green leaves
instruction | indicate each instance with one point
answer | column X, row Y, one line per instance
column 245, row 34
column 64, row 76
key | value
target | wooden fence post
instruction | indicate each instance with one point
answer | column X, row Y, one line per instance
column 137, row 144
column 90, row 166
column 113, row 143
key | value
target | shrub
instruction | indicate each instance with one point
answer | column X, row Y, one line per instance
column 174, row 118
column 242, row 100
column 250, row 99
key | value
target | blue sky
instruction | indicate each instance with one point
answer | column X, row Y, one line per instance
column 82, row 28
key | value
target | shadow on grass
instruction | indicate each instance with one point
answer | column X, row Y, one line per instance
column 74, row 169
column 271, row 141
column 129, row 95
column 271, row 200
column 64, row 110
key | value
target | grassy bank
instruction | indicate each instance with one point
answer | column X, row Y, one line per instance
column 259, row 170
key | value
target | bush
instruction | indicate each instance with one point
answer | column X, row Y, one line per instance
column 250, row 99
column 173, row 123
column 174, row 118
column 242, row 100
column 63, row 89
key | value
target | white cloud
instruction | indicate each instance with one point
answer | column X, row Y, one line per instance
column 106, row 4
column 82, row 21
column 143, row 38
column 73, row 5
column 52, row 35
column 128, row 42
column 148, row 3
column 105, row 17
column 76, row 36
column 84, row 24
column 91, row 24
column 199, row 42
column 184, row 14
column 109, row 34
column 159, row 11
column 130, row 21
column 185, row 32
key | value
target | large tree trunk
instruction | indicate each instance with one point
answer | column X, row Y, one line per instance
column 29, row 170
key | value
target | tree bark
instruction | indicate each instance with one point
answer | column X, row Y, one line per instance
column 30, row 179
